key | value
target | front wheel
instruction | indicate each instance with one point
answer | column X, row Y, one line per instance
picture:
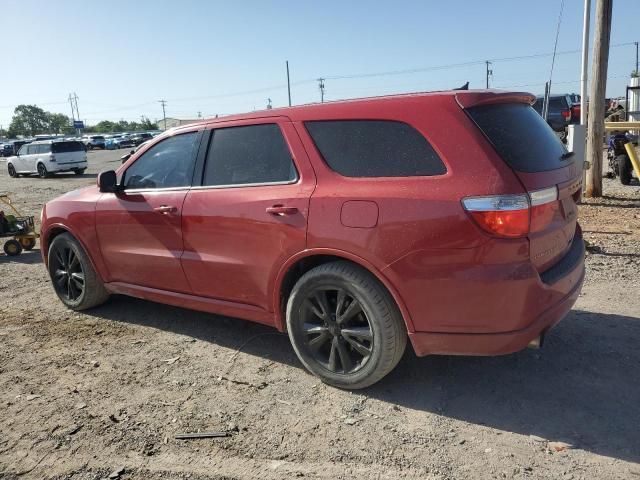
column 345, row 326
column 79, row 171
column 12, row 171
column 624, row 169
column 72, row 275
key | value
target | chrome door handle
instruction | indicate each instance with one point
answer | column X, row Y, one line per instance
column 165, row 209
column 281, row 210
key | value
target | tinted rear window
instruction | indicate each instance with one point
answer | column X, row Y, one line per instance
column 520, row 136
column 374, row 148
column 66, row 147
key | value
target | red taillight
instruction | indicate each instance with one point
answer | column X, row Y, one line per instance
column 514, row 216
column 566, row 114
column 511, row 224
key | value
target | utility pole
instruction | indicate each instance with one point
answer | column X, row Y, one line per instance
column 489, row 71
column 269, row 106
column 585, row 62
column 321, row 85
column 164, row 114
column 595, row 130
column 289, row 81
column 75, row 113
column 199, row 114
column 636, row 57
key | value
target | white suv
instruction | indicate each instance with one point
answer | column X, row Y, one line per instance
column 49, row 156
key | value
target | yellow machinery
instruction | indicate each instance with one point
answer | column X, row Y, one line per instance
column 18, row 228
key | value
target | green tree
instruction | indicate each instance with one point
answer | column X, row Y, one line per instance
column 28, row 120
column 59, row 123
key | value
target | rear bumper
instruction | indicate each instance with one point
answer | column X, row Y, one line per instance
column 429, row 343
column 66, row 167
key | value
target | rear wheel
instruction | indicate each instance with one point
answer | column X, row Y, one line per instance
column 28, row 243
column 344, row 325
column 624, row 169
column 79, row 171
column 12, row 171
column 72, row 275
column 42, row 171
column 12, row 247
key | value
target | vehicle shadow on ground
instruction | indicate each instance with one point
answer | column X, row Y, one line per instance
column 25, row 258
column 581, row 388
column 73, row 175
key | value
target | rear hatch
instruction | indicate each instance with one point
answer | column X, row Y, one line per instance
column 543, row 165
column 68, row 152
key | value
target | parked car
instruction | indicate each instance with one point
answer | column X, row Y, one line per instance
column 560, row 114
column 94, row 141
column 139, row 138
column 6, row 149
column 124, row 141
column 350, row 225
column 45, row 157
column 109, row 143
column 9, row 149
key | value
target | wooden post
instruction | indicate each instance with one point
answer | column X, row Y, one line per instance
column 595, row 124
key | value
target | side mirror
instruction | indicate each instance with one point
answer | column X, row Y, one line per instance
column 108, row 182
column 126, row 156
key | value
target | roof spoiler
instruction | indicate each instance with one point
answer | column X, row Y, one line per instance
column 490, row 97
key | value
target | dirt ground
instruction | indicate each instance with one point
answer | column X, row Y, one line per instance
column 102, row 394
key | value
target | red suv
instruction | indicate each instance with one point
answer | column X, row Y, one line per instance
column 448, row 218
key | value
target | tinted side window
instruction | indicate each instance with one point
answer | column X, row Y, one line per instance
column 165, row 165
column 375, row 148
column 31, row 149
column 24, row 150
column 44, row 148
column 247, row 155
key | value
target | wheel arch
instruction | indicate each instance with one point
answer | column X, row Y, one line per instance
column 57, row 229
column 304, row 261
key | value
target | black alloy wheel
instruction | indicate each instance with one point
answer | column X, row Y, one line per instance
column 337, row 330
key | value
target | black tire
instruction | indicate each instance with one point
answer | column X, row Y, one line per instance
column 42, row 171
column 79, row 171
column 624, row 169
column 12, row 247
column 12, row 171
column 361, row 306
column 562, row 135
column 72, row 275
column 28, row 243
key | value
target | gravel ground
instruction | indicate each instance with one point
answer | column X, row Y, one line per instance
column 101, row 394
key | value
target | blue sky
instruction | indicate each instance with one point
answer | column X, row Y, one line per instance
column 120, row 57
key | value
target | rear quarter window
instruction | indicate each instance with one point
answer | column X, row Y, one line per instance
column 374, row 148
column 520, row 136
